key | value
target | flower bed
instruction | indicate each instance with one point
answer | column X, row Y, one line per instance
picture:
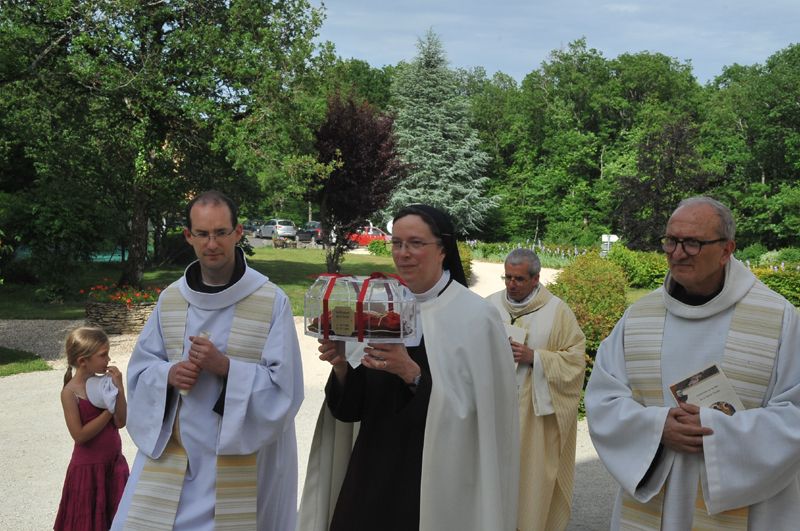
column 119, row 309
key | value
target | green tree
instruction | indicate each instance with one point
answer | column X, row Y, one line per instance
column 495, row 113
column 559, row 148
column 751, row 137
column 357, row 144
column 446, row 167
column 357, row 78
column 122, row 110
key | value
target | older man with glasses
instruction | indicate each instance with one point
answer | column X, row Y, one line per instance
column 549, row 350
column 684, row 464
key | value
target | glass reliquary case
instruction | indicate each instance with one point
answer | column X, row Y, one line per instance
column 376, row 309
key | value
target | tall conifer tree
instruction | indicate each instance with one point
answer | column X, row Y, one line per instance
column 446, row 167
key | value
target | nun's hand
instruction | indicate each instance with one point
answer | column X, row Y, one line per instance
column 392, row 358
column 333, row 352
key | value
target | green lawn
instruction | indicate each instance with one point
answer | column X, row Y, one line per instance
column 18, row 362
column 292, row 269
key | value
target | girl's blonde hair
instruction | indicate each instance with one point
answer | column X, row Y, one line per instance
column 82, row 343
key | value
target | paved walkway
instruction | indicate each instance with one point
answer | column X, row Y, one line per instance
column 36, row 446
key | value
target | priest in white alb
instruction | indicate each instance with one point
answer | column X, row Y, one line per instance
column 214, row 384
column 684, row 465
column 549, row 350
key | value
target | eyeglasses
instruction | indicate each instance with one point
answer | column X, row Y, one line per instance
column 411, row 245
column 205, row 237
column 691, row 246
column 514, row 278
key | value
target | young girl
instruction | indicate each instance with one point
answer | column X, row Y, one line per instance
column 98, row 471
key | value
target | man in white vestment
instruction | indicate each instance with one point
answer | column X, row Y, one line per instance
column 549, row 350
column 214, row 384
column 681, row 465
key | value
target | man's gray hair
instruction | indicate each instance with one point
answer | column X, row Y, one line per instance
column 727, row 225
column 525, row 256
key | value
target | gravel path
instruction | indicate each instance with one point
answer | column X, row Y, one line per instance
column 44, row 338
column 36, row 446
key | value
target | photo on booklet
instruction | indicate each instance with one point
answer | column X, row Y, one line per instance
column 708, row 388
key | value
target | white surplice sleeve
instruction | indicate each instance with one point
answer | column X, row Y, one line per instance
column 626, row 434
column 151, row 408
column 263, row 398
column 753, row 455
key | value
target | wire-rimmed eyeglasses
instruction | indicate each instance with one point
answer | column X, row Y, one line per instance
column 205, row 237
column 411, row 245
column 514, row 278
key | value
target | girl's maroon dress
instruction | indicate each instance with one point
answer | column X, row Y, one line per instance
column 96, row 477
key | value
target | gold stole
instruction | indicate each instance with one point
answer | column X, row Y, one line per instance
column 155, row 500
column 748, row 359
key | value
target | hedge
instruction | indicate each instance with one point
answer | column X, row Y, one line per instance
column 594, row 288
column 786, row 282
column 642, row 269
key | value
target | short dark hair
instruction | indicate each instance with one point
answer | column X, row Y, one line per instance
column 213, row 197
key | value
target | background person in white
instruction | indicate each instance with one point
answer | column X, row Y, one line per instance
column 661, row 453
column 232, row 407
column 551, row 366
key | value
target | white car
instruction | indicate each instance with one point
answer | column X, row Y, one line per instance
column 284, row 228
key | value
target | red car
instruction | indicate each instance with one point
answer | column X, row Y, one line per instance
column 363, row 236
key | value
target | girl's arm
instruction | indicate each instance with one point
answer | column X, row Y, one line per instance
column 121, row 409
column 81, row 433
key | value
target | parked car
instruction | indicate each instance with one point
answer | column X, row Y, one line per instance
column 284, row 228
column 363, row 236
column 311, row 232
column 250, row 226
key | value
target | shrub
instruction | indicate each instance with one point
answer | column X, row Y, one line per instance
column 174, row 250
column 551, row 256
column 594, row 288
column 785, row 282
column 642, row 269
column 789, row 255
column 379, row 248
column 769, row 258
column 574, row 233
column 752, row 253
column 465, row 252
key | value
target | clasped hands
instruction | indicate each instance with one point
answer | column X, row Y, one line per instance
column 203, row 355
column 683, row 431
column 388, row 357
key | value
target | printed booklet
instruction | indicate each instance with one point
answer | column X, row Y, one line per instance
column 708, row 388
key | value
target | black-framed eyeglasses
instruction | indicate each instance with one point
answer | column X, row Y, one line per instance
column 514, row 278
column 205, row 237
column 412, row 245
column 691, row 246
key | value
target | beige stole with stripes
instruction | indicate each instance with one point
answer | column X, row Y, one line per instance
column 748, row 359
column 155, row 500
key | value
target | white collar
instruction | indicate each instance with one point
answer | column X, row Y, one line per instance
column 437, row 287
column 524, row 302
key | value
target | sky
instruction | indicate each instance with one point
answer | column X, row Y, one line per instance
column 516, row 36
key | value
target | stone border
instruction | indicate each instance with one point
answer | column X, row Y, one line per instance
column 116, row 318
